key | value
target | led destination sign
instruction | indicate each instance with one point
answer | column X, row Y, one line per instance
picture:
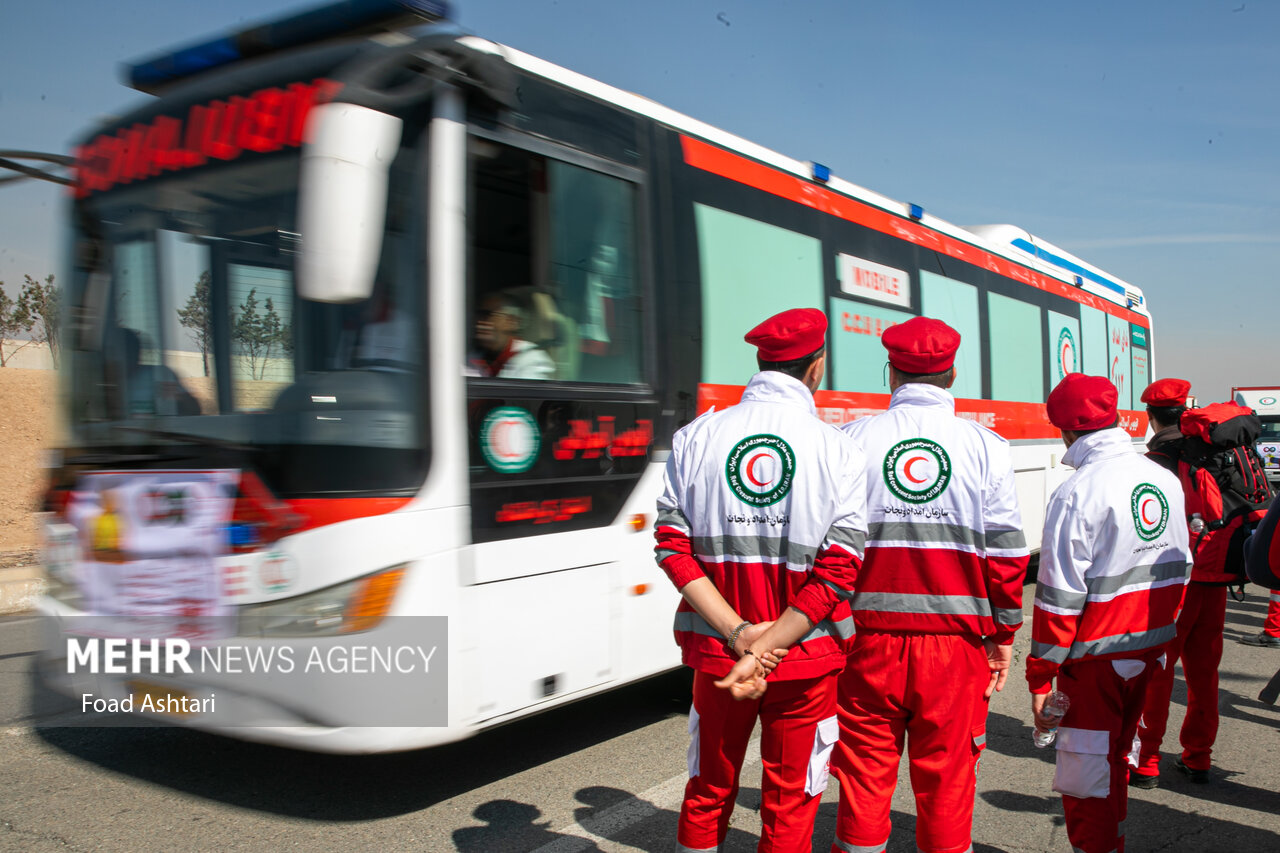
column 267, row 120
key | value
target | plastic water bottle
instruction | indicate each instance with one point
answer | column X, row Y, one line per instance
column 1055, row 708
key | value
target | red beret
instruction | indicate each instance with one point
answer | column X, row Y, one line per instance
column 790, row 335
column 1166, row 392
column 1081, row 403
column 921, row 345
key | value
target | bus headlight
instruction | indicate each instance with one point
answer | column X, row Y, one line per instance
column 345, row 608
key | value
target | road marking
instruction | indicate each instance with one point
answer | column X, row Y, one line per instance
column 612, row 821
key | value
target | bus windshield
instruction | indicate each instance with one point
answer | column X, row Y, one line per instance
column 186, row 331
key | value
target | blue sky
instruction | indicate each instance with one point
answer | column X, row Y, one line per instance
column 1143, row 136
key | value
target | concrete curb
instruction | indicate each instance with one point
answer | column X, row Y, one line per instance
column 19, row 587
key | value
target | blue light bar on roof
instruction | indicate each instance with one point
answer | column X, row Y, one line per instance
column 335, row 20
column 1080, row 273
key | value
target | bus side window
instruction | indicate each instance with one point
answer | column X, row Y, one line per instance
column 553, row 266
column 593, row 271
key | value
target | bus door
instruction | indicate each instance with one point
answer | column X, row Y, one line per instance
column 559, row 415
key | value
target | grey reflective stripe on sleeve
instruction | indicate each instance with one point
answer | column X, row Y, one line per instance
column 1005, row 540
column 672, row 518
column 899, row 602
column 980, row 741
column 771, row 548
column 661, row 554
column 853, row 540
column 925, row 532
column 842, row 630
column 1053, row 654
column 1008, row 616
column 687, row 620
column 1123, row 642
column 1062, row 599
column 846, row 594
column 1138, row 575
column 859, row 848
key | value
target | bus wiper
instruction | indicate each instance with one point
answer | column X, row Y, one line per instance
column 186, row 438
column 122, row 458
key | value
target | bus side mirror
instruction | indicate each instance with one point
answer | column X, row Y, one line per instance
column 342, row 200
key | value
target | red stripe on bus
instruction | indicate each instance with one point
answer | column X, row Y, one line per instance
column 735, row 167
column 321, row 512
column 1011, row 420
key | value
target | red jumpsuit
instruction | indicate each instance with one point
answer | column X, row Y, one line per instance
column 768, row 503
column 944, row 566
column 1199, row 646
column 1113, row 564
column 1272, row 625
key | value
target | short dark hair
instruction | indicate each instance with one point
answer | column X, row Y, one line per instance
column 1111, row 425
column 1166, row 415
column 942, row 379
column 796, row 367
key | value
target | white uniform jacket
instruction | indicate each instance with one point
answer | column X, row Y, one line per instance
column 1114, row 561
column 945, row 553
column 768, row 502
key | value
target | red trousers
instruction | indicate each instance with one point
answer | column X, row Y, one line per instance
column 1272, row 625
column 798, row 731
column 1093, row 744
column 1199, row 644
column 926, row 690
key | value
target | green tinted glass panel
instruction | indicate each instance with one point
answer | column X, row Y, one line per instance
column 1063, row 347
column 1141, row 376
column 858, row 357
column 750, row 271
column 1016, row 372
column 956, row 304
column 1093, row 342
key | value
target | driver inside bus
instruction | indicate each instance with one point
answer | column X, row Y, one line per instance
column 501, row 352
column 153, row 389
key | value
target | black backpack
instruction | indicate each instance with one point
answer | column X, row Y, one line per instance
column 1219, row 440
column 1223, row 476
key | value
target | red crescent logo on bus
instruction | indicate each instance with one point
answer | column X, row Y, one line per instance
column 1143, row 512
column 906, row 469
column 500, row 446
column 751, row 470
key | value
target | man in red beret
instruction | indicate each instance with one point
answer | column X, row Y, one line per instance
column 1198, row 643
column 1113, row 563
column 937, row 602
column 761, row 524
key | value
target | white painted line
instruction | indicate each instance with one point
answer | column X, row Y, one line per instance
column 668, row 795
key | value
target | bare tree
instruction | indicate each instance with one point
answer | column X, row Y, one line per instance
column 257, row 333
column 197, row 317
column 12, row 322
column 39, row 307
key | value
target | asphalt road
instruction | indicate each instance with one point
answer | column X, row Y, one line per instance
column 603, row 775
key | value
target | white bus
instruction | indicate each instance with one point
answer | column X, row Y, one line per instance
column 380, row 341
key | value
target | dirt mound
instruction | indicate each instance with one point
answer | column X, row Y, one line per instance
column 26, row 431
